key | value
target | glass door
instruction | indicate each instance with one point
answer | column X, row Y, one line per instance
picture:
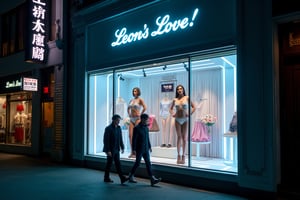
column 47, row 126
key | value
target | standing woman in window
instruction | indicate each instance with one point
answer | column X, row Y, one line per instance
column 181, row 113
column 136, row 107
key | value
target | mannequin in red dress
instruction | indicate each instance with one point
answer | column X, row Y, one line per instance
column 20, row 120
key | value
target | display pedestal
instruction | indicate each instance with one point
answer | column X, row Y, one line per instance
column 125, row 137
column 199, row 147
column 164, row 152
column 231, row 148
column 153, row 136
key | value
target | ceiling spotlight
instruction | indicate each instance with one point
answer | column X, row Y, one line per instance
column 186, row 67
column 121, row 77
column 144, row 73
column 164, row 67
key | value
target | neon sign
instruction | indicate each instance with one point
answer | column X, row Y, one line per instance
column 12, row 84
column 164, row 25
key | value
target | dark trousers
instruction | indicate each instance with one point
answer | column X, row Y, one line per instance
column 146, row 157
column 109, row 161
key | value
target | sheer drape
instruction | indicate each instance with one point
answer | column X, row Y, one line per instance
column 207, row 86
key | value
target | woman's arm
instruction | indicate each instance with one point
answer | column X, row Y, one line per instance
column 171, row 108
column 142, row 103
column 193, row 107
column 128, row 108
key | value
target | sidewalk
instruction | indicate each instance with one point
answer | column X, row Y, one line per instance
column 23, row 177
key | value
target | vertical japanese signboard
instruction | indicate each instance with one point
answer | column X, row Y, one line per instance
column 37, row 34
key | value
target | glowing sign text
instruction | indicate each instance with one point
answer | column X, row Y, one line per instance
column 164, row 25
column 38, row 28
column 16, row 83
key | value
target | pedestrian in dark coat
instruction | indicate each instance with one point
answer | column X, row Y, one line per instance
column 113, row 144
column 142, row 147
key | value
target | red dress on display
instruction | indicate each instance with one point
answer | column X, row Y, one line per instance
column 19, row 134
column 20, row 119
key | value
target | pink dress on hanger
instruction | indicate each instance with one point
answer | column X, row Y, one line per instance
column 200, row 131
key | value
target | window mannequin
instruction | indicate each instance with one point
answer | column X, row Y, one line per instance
column 20, row 119
column 28, row 128
column 3, row 116
column 181, row 107
column 165, row 104
column 3, row 120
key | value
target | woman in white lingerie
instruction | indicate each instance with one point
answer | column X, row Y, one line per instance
column 136, row 107
column 164, row 106
column 181, row 104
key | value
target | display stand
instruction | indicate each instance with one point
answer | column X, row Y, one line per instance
column 125, row 137
column 153, row 136
column 231, row 148
column 164, row 152
column 198, row 148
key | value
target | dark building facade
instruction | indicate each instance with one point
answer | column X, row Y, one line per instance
column 32, row 78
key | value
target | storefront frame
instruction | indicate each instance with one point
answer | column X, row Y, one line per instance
column 250, row 16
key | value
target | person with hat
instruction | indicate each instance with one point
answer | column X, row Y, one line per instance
column 141, row 148
column 113, row 144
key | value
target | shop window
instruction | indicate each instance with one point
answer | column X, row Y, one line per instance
column 210, row 84
column 18, row 109
column 3, row 106
column 213, row 89
column 100, row 109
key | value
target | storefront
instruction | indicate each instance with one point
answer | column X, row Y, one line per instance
column 32, row 78
column 157, row 47
column 16, row 109
column 17, row 94
column 28, row 112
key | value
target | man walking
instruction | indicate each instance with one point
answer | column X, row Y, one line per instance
column 142, row 147
column 113, row 143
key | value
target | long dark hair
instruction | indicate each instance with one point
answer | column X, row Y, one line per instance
column 177, row 92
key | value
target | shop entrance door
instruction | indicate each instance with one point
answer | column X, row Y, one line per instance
column 47, row 126
column 289, row 79
column 289, row 130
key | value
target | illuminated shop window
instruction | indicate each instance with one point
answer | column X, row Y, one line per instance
column 209, row 82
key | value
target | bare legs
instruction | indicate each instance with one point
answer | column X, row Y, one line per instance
column 181, row 141
column 165, row 142
column 172, row 128
column 131, row 126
